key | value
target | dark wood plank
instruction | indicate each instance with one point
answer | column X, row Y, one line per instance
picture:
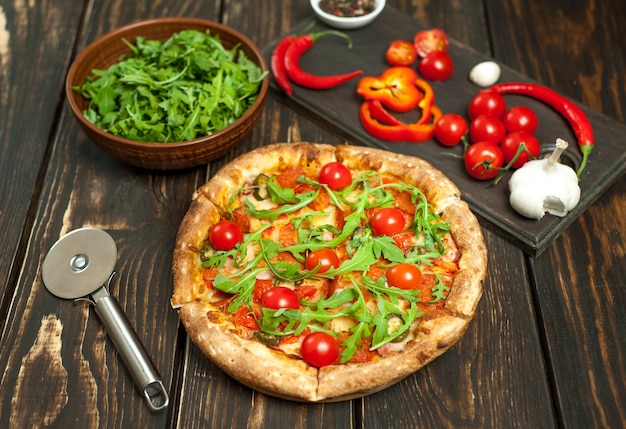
column 579, row 49
column 49, row 339
column 62, row 371
column 32, row 72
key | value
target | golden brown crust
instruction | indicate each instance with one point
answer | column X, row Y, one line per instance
column 272, row 372
column 249, row 362
column 200, row 217
column 467, row 285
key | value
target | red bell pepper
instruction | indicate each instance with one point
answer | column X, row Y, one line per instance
column 399, row 132
column 394, row 88
column 379, row 113
column 427, row 101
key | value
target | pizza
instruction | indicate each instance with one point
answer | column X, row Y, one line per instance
column 322, row 273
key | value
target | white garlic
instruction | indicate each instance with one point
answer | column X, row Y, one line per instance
column 485, row 74
column 545, row 185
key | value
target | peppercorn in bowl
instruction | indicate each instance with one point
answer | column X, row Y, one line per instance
column 169, row 93
column 347, row 14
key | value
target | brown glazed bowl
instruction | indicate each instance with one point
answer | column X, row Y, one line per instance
column 106, row 51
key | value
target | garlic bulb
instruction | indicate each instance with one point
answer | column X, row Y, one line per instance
column 485, row 74
column 545, row 185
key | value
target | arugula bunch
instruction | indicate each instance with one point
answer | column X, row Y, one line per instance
column 396, row 309
column 177, row 90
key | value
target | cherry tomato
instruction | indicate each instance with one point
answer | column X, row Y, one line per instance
column 225, row 235
column 483, row 159
column 520, row 118
column 486, row 128
column 450, row 129
column 510, row 145
column 280, row 297
column 427, row 41
column 487, row 103
column 404, row 276
column 401, row 53
column 388, row 221
column 319, row 349
column 435, row 66
column 326, row 258
column 335, row 175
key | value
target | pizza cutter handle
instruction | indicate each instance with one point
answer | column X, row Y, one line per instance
column 134, row 355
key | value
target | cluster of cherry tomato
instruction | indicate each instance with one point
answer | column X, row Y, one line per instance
column 496, row 135
column 430, row 47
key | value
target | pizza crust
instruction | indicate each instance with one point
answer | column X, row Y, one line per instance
column 249, row 362
column 467, row 285
column 272, row 372
column 188, row 283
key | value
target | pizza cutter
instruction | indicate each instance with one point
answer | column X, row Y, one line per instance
column 77, row 267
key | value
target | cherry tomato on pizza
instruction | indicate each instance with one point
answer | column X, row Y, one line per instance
column 319, row 349
column 280, row 297
column 486, row 128
column 401, row 53
column 404, row 276
column 225, row 235
column 511, row 146
column 335, row 175
column 388, row 221
column 450, row 129
column 325, row 258
column 427, row 41
column 487, row 103
column 483, row 160
column 520, row 118
column 436, row 66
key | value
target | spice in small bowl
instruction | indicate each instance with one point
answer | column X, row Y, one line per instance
column 347, row 8
column 347, row 14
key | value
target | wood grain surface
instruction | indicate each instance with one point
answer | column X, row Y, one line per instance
column 546, row 349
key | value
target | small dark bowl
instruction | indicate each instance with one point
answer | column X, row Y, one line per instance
column 106, row 51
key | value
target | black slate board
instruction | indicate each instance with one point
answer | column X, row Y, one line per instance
column 338, row 109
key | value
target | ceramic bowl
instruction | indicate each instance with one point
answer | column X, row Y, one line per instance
column 106, row 51
column 347, row 23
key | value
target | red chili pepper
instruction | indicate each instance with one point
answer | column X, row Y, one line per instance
column 395, row 88
column 277, row 63
column 570, row 111
column 298, row 76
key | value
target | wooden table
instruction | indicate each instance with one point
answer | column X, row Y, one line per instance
column 546, row 349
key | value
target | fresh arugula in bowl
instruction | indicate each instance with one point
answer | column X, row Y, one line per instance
column 184, row 88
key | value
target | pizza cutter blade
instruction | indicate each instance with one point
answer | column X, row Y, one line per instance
column 78, row 265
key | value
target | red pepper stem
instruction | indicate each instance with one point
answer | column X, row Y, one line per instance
column 316, row 36
column 585, row 150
